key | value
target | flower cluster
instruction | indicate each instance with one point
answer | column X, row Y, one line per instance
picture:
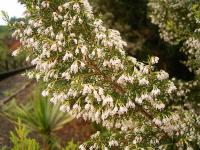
column 86, row 69
column 179, row 22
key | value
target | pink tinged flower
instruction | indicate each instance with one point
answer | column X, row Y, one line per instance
column 160, row 106
column 45, row 93
column 130, row 104
column 106, row 63
column 45, row 4
column 66, row 5
column 101, row 91
column 82, row 147
column 74, row 68
column 114, row 111
column 84, row 50
column 171, row 88
column 67, row 56
column 97, row 96
column 98, row 22
column 60, row 8
column 113, row 143
column 144, row 69
column 143, row 81
column 15, row 53
column 122, row 110
column 154, row 60
column 97, row 115
column 76, row 7
column 82, row 65
column 99, row 52
column 155, row 92
column 108, row 100
column 87, row 90
column 157, row 121
column 122, row 80
column 87, row 107
column 54, row 47
column 162, row 75
column 28, row 31
column 60, row 37
column 138, row 100
column 66, row 75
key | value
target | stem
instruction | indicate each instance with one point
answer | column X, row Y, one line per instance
column 120, row 89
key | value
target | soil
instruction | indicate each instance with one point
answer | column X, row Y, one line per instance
column 7, row 87
column 76, row 130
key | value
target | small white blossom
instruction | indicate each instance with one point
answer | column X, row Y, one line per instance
column 60, row 8
column 160, row 106
column 113, row 143
column 66, row 5
column 158, row 122
column 108, row 100
column 155, row 92
column 138, row 100
column 54, row 47
column 45, row 93
column 162, row 75
column 84, row 50
column 171, row 88
column 87, row 89
column 143, row 81
column 66, row 75
column 74, row 67
column 82, row 147
column 76, row 7
column 154, row 60
column 122, row 110
column 45, row 4
column 15, row 53
column 67, row 56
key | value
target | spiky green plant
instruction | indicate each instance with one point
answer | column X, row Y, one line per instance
column 40, row 116
column 86, row 68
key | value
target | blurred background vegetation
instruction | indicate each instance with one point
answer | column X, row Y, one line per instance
column 130, row 17
column 7, row 46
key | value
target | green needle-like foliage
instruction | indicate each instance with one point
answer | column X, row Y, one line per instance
column 39, row 115
column 20, row 141
column 86, row 68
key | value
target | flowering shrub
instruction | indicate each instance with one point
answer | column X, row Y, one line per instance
column 86, row 68
column 128, row 17
column 179, row 23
